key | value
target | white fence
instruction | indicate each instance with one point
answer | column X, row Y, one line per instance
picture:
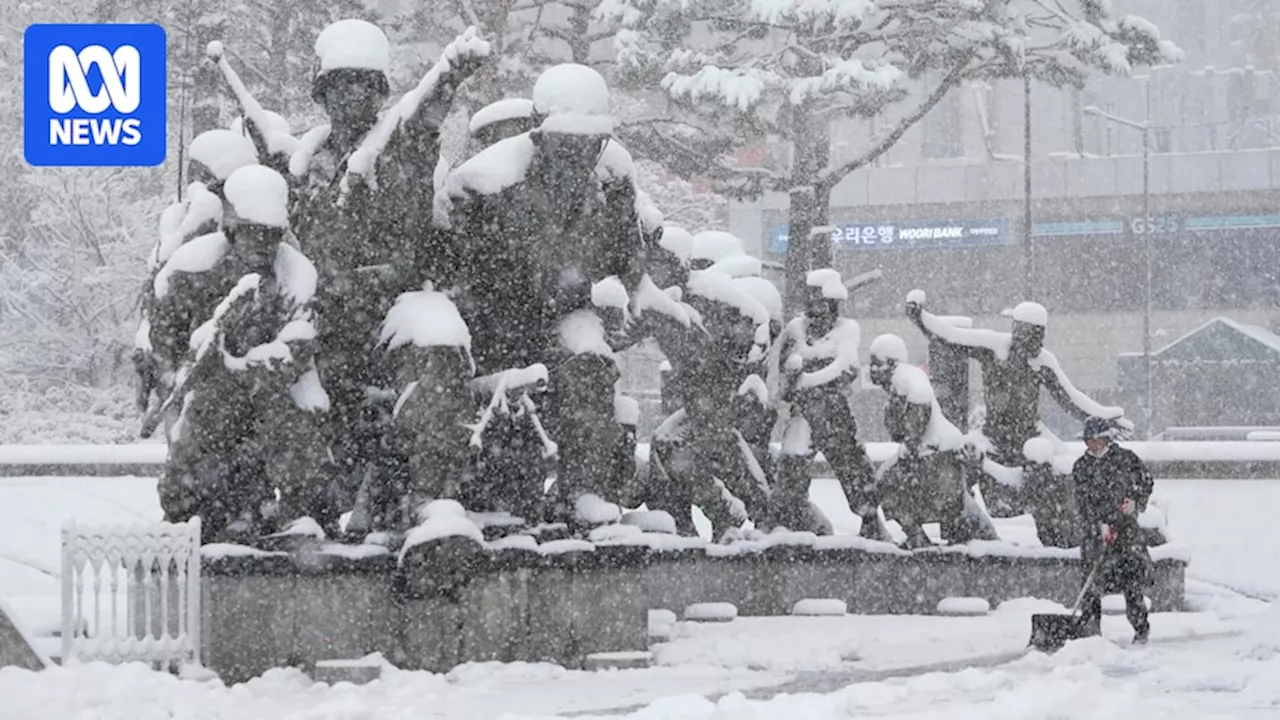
column 156, row 619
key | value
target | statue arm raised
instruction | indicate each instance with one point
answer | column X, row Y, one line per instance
column 977, row 344
column 1074, row 401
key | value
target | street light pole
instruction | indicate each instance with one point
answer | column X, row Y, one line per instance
column 1147, row 228
column 1150, row 409
column 1028, row 249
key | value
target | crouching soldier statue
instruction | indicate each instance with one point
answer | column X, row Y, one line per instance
column 249, row 394
column 819, row 356
column 214, row 154
column 925, row 481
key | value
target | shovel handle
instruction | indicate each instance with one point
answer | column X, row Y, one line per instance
column 1088, row 583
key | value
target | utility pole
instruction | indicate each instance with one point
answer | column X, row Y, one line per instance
column 1028, row 243
column 1145, row 227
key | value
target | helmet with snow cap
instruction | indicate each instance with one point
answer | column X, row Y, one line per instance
column 218, row 153
column 354, row 51
column 887, row 352
column 500, row 120
column 256, row 214
column 1029, row 322
column 572, row 99
column 571, row 111
column 822, row 304
column 256, row 195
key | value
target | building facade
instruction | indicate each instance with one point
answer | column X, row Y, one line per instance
column 945, row 209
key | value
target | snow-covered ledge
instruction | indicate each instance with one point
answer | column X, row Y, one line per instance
column 455, row 599
column 1215, row 459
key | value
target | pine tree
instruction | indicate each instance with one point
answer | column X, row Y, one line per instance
column 789, row 69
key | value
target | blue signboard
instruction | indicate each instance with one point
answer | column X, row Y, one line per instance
column 915, row 235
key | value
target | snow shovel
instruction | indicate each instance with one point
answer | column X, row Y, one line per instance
column 1050, row 631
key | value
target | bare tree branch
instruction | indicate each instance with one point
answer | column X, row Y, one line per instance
column 830, row 177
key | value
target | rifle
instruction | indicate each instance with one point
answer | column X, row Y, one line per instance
column 206, row 359
column 267, row 142
column 460, row 59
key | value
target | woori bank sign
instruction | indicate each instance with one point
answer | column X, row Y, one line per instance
column 921, row 235
column 94, row 95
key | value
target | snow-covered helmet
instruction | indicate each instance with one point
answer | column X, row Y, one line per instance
column 827, row 283
column 256, row 195
column 887, row 352
column 355, row 48
column 222, row 152
column 572, row 99
column 888, row 348
column 516, row 111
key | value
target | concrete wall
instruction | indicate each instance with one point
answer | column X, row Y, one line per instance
column 454, row 601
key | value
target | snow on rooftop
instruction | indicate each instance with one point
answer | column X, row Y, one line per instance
column 889, row 347
column 828, row 280
column 258, row 195
column 353, row 44
column 500, row 111
column 1256, row 333
column 424, row 318
column 715, row 245
column 222, row 151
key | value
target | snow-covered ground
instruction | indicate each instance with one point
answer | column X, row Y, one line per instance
column 1214, row 662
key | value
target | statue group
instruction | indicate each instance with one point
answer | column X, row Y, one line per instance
column 341, row 324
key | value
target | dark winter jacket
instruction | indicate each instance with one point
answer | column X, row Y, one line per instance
column 1101, row 486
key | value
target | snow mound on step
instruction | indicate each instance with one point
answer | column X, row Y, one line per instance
column 963, row 606
column 711, row 612
column 594, row 510
column 818, row 607
column 651, row 521
column 439, row 527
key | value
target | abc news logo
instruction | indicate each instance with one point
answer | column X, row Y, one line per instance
column 69, row 89
column 94, row 95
